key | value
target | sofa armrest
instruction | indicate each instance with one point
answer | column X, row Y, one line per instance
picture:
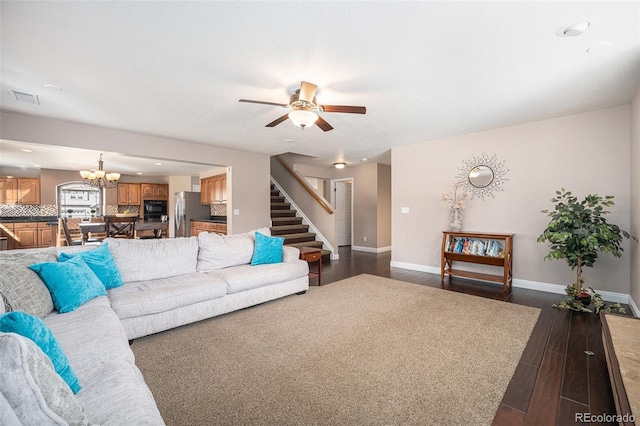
column 290, row 253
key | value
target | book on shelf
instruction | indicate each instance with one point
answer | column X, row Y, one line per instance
column 476, row 247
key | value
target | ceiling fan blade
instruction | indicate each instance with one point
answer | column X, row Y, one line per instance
column 307, row 91
column 320, row 122
column 344, row 108
column 262, row 102
column 278, row 121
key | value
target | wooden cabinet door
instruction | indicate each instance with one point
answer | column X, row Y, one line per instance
column 217, row 189
column 7, row 230
column 128, row 194
column 8, row 190
column 28, row 191
column 162, row 190
column 45, row 235
column 154, row 190
column 123, row 194
column 148, row 190
column 134, row 194
column 26, row 235
column 206, row 191
column 223, row 188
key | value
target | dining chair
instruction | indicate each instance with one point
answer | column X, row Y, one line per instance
column 63, row 223
column 121, row 226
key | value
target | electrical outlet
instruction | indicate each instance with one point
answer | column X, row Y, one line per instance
column 365, row 238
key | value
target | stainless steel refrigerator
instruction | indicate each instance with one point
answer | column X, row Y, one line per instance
column 188, row 207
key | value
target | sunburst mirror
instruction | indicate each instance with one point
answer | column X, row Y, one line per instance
column 482, row 175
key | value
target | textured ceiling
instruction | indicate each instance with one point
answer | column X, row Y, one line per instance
column 424, row 70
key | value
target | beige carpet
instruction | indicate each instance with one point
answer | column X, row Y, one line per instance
column 366, row 350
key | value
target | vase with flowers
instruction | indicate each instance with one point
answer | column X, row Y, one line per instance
column 456, row 199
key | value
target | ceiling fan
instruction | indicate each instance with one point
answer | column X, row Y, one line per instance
column 304, row 107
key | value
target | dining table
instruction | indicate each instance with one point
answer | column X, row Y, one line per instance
column 160, row 229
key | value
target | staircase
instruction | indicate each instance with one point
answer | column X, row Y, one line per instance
column 285, row 223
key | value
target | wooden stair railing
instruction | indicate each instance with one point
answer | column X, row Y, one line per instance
column 306, row 186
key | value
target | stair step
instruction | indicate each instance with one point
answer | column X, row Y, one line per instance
column 283, row 213
column 280, row 206
column 277, row 199
column 299, row 237
column 317, row 244
column 292, row 220
column 289, row 229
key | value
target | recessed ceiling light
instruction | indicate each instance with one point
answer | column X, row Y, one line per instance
column 138, row 173
column 573, row 30
column 289, row 140
column 53, row 87
column 364, row 159
column 339, row 165
column 26, row 150
column 37, row 165
column 158, row 164
column 600, row 47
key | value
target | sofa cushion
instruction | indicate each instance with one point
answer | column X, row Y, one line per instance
column 101, row 263
column 35, row 329
column 94, row 322
column 143, row 260
column 267, row 250
column 223, row 251
column 22, row 287
column 248, row 277
column 140, row 298
column 36, row 394
column 70, row 283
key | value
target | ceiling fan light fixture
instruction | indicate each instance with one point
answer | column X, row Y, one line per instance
column 339, row 165
column 302, row 118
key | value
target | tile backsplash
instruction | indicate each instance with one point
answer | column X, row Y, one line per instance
column 218, row 210
column 27, row 210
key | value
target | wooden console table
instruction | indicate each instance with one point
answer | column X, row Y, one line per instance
column 310, row 255
column 482, row 248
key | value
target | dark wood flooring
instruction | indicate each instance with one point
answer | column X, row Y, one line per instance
column 555, row 379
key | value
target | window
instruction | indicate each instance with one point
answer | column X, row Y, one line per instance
column 77, row 200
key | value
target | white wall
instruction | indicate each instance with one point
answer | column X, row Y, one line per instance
column 585, row 153
column 635, row 201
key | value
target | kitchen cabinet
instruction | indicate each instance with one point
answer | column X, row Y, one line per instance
column 206, row 191
column 129, row 194
column 26, row 235
column 155, row 190
column 6, row 230
column 202, row 226
column 213, row 190
column 19, row 190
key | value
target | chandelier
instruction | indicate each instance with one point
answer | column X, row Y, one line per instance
column 98, row 178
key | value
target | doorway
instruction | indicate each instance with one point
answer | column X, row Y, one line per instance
column 343, row 202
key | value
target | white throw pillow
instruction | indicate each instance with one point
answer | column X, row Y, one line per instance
column 222, row 251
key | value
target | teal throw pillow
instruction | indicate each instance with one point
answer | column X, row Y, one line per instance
column 70, row 283
column 101, row 263
column 267, row 250
column 35, row 329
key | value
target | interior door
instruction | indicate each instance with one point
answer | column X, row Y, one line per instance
column 343, row 211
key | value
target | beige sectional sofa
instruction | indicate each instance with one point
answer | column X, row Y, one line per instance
column 167, row 283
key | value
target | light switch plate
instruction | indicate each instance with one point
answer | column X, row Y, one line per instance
column 404, row 209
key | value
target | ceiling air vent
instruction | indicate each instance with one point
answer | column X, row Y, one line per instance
column 24, row 97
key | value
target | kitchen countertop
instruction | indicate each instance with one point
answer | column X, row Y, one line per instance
column 224, row 221
column 51, row 220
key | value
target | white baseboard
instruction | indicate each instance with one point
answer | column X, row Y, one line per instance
column 634, row 308
column 371, row 249
column 608, row 296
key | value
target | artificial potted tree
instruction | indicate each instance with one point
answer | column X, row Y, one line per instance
column 577, row 233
